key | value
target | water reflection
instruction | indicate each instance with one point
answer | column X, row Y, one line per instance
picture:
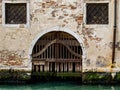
column 58, row 86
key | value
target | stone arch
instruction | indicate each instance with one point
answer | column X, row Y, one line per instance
column 57, row 28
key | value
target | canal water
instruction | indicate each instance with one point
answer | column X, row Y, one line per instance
column 58, row 86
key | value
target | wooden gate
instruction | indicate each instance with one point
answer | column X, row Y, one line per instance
column 57, row 52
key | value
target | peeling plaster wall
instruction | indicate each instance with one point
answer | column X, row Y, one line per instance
column 44, row 14
column 118, row 36
column 98, row 40
column 0, row 11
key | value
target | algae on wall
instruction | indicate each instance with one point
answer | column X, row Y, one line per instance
column 14, row 75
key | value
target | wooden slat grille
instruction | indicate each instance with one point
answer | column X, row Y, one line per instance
column 58, row 46
column 97, row 13
column 57, row 52
column 15, row 13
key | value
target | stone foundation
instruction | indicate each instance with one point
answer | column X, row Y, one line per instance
column 17, row 76
column 14, row 76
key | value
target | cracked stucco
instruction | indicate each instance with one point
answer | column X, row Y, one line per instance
column 45, row 14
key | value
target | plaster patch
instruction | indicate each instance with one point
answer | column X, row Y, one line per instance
column 102, row 62
column 11, row 58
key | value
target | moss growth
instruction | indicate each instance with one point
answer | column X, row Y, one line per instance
column 69, row 74
column 95, row 77
column 86, row 78
column 14, row 75
column 64, row 74
column 51, row 76
column 117, row 77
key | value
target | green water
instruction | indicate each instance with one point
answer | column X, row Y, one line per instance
column 58, row 86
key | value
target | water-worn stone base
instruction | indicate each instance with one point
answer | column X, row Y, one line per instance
column 56, row 76
column 100, row 78
column 16, row 76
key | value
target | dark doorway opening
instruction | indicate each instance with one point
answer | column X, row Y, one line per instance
column 58, row 54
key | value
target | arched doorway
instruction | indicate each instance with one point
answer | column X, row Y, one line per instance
column 57, row 51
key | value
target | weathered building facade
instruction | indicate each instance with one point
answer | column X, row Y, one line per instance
column 59, row 35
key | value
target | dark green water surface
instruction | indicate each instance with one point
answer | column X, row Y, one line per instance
column 58, row 86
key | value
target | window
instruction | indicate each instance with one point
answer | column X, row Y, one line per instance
column 15, row 13
column 97, row 13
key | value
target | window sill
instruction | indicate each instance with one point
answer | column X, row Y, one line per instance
column 16, row 25
column 97, row 25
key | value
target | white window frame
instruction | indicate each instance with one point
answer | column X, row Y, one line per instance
column 15, row 25
column 109, row 13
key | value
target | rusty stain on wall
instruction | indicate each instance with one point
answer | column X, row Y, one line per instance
column 90, row 33
column 48, row 4
column 79, row 19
